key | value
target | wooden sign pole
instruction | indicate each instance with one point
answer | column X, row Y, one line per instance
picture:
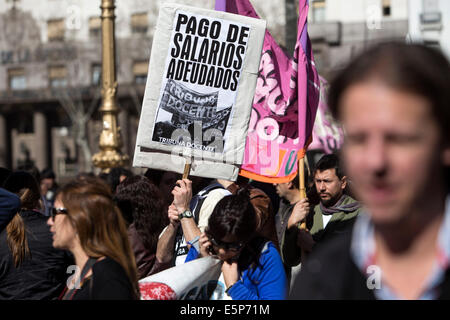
column 301, row 172
column 187, row 169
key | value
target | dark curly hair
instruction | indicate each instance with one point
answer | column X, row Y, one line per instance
column 235, row 216
column 141, row 203
column 329, row 161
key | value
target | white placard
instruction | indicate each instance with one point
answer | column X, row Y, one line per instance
column 199, row 92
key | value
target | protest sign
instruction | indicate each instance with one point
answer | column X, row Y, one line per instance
column 201, row 80
column 194, row 280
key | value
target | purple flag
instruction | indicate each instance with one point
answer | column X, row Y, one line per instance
column 284, row 105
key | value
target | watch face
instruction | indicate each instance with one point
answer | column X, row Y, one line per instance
column 186, row 214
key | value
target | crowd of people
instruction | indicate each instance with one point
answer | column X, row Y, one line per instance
column 380, row 204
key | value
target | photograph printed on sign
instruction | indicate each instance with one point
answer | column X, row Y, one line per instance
column 200, row 81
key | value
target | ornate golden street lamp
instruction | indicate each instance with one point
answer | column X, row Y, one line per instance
column 110, row 144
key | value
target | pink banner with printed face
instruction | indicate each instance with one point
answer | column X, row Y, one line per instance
column 328, row 135
column 284, row 105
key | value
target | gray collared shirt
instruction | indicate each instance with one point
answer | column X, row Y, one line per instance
column 363, row 254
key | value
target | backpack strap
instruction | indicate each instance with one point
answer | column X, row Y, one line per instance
column 199, row 198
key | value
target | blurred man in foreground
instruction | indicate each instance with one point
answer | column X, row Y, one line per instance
column 394, row 103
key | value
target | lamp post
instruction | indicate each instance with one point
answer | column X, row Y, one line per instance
column 110, row 143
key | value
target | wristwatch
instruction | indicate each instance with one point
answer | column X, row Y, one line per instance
column 185, row 214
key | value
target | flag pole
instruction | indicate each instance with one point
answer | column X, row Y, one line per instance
column 301, row 173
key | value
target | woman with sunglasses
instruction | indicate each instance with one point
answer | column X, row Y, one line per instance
column 86, row 221
column 252, row 267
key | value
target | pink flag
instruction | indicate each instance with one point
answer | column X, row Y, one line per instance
column 285, row 103
column 328, row 135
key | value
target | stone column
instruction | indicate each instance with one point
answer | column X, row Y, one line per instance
column 40, row 136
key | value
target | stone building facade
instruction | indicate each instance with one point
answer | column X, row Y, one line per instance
column 341, row 29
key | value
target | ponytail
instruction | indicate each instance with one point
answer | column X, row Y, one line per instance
column 26, row 187
column 17, row 240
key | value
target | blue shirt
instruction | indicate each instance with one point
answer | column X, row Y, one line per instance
column 363, row 253
column 267, row 281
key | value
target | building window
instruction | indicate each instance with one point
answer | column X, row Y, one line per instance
column 386, row 8
column 17, row 79
column 96, row 72
column 139, row 23
column 318, row 11
column 430, row 6
column 431, row 17
column 140, row 70
column 55, row 30
column 95, row 27
column 57, row 76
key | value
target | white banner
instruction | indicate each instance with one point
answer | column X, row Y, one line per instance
column 194, row 280
column 200, row 85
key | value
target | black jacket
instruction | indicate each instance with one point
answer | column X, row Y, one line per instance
column 40, row 276
column 330, row 274
column 108, row 281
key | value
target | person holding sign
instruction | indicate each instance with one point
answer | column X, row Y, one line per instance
column 252, row 267
column 333, row 216
column 188, row 217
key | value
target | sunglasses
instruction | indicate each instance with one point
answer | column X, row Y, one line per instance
column 56, row 211
column 226, row 245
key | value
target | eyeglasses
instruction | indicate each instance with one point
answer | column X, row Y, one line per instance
column 56, row 211
column 226, row 245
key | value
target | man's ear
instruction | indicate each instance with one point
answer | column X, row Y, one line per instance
column 290, row 185
column 446, row 157
column 344, row 182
